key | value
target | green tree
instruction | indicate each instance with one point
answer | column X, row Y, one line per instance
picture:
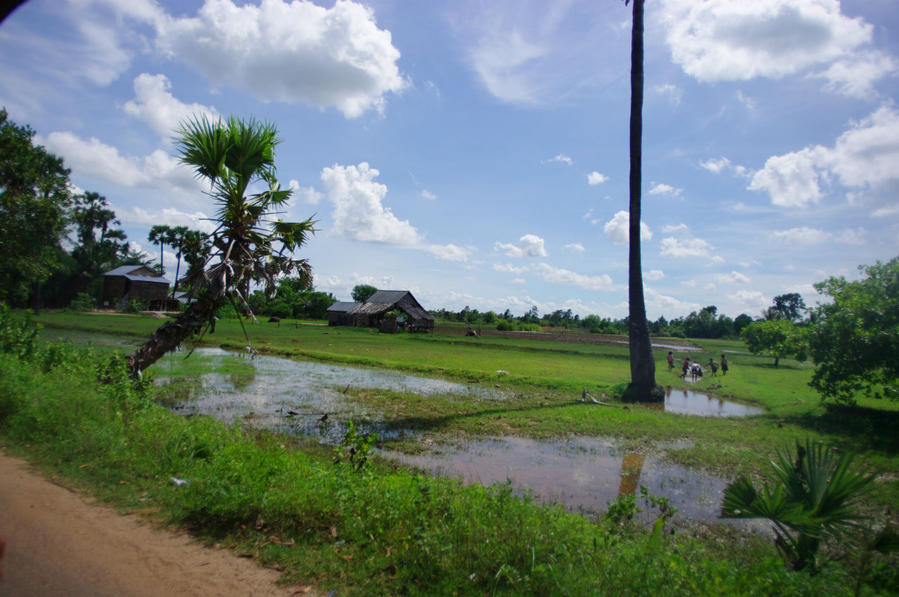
column 362, row 292
column 100, row 244
column 777, row 338
column 247, row 244
column 159, row 235
column 643, row 382
column 809, row 499
column 786, row 306
column 741, row 321
column 195, row 247
column 854, row 341
column 34, row 199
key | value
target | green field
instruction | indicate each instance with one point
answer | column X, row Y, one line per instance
column 544, row 378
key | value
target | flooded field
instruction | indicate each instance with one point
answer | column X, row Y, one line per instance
column 687, row 402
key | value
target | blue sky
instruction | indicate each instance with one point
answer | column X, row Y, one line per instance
column 476, row 152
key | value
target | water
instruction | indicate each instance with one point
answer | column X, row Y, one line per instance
column 581, row 474
column 292, row 396
column 687, row 402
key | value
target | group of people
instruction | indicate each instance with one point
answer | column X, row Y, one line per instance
column 694, row 368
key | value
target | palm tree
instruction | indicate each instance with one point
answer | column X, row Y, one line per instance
column 643, row 382
column 248, row 245
column 159, row 235
column 176, row 241
column 808, row 500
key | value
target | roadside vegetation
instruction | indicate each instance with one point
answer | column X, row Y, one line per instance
column 366, row 530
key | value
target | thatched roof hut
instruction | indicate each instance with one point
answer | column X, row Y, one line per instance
column 134, row 282
column 372, row 311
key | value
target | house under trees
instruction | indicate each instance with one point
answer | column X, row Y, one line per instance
column 386, row 310
column 135, row 282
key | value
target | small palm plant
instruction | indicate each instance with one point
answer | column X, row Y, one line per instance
column 809, row 500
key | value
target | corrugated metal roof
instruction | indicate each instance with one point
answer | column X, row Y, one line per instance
column 385, row 300
column 125, row 272
column 343, row 307
column 387, row 296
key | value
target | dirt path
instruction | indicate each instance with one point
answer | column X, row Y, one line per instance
column 61, row 543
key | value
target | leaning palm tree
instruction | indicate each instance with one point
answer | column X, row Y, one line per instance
column 643, row 382
column 248, row 245
column 808, row 500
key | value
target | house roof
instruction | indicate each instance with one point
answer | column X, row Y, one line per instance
column 343, row 307
column 385, row 300
column 137, row 273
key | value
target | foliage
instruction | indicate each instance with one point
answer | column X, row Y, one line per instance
column 82, row 302
column 777, row 338
column 293, row 299
column 17, row 337
column 788, row 306
column 356, row 449
column 854, row 341
column 810, row 499
column 362, row 292
column 34, row 197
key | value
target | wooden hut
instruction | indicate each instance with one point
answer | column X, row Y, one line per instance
column 135, row 282
column 338, row 313
column 373, row 312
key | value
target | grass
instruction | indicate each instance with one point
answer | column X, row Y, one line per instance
column 544, row 380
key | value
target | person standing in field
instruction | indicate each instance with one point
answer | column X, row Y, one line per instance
column 723, row 365
column 685, row 368
column 670, row 360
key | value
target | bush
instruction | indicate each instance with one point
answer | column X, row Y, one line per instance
column 82, row 302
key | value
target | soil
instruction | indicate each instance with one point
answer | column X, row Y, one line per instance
column 59, row 542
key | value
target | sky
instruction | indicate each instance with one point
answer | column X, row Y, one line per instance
column 476, row 152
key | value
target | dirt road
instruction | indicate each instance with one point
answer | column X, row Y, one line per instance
column 61, row 543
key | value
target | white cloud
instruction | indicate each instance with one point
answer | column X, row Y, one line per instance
column 509, row 268
column 569, row 278
column 426, row 194
column 864, row 155
column 358, row 210
column 749, row 300
column 529, row 245
column 155, row 105
column 168, row 216
column 670, row 91
column 851, row 236
column 747, row 101
column 791, row 180
column 690, row 247
column 617, row 231
column 575, row 247
column 661, row 303
column 502, row 62
column 449, row 252
column 733, row 277
column 725, row 40
column 802, row 236
column 308, row 195
column 715, row 165
column 653, row 275
column 855, row 76
column 665, row 189
column 889, row 210
column 290, row 52
column 594, row 178
column 559, row 158
column 670, row 229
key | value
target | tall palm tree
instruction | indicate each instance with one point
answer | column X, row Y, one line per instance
column 248, row 245
column 643, row 382
column 176, row 240
column 159, row 235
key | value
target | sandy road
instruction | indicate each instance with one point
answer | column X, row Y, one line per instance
column 60, row 543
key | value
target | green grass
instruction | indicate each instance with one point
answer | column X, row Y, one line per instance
column 376, row 532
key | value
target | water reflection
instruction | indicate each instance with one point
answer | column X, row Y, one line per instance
column 582, row 474
column 687, row 402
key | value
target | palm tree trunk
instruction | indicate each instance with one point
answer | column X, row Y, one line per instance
column 643, row 384
column 171, row 334
column 177, row 270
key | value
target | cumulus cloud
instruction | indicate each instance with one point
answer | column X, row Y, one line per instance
column 653, row 275
column 733, row 277
column 864, row 155
column 449, row 252
column 294, row 52
column 569, row 278
column 359, row 213
column 665, row 189
column 168, row 216
column 722, row 40
column 308, row 195
column 690, row 247
column 617, row 231
column 855, row 76
column 594, row 178
column 715, row 165
column 575, row 247
column 509, row 268
column 750, row 300
column 802, row 236
column 851, row 236
column 529, row 245
column 154, row 104
column 92, row 157
column 672, row 228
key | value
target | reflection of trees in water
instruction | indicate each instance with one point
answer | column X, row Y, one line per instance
column 631, row 469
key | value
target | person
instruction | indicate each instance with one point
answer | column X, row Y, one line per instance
column 685, row 367
column 723, row 365
column 695, row 371
column 713, row 366
column 670, row 360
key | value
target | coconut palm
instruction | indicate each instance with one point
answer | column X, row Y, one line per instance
column 643, row 382
column 809, row 500
column 248, row 245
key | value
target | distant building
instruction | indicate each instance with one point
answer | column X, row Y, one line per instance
column 135, row 282
column 375, row 312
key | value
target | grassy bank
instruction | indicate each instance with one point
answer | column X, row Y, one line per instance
column 374, row 531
